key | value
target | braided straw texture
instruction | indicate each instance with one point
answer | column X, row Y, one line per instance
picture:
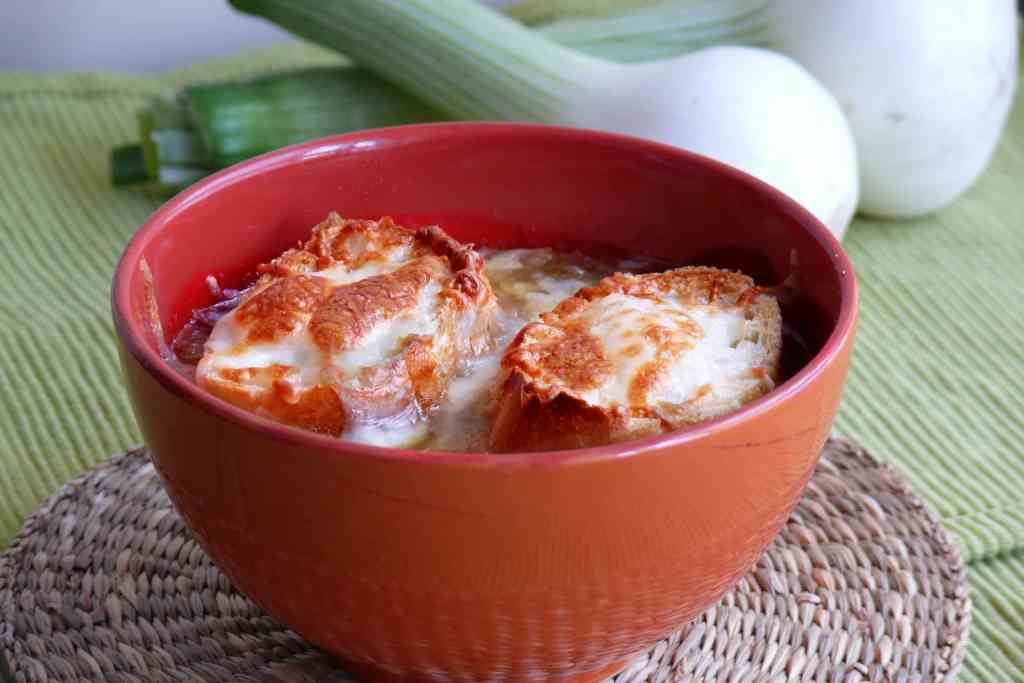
column 105, row 583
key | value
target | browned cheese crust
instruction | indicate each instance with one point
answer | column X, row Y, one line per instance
column 555, row 363
column 293, row 296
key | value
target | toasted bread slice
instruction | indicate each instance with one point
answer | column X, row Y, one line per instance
column 635, row 356
column 363, row 323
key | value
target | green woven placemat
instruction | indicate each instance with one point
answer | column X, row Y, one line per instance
column 937, row 382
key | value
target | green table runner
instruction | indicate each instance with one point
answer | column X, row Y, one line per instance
column 936, row 385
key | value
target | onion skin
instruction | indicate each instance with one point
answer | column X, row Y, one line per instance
column 926, row 87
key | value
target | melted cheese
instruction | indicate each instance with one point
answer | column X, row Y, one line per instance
column 722, row 359
column 618, row 321
column 341, row 274
column 399, row 434
column 712, row 353
column 385, row 340
column 529, row 282
column 355, row 332
column 719, row 349
column 226, row 349
column 461, row 423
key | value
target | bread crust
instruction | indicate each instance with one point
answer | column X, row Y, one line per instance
column 555, row 368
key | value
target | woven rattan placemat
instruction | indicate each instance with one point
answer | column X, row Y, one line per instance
column 105, row 583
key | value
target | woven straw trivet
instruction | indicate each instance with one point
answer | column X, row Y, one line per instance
column 105, row 583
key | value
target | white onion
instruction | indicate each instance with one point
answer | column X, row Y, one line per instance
column 926, row 86
column 752, row 108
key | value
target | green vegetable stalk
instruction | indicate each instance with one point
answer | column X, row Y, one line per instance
column 656, row 30
column 237, row 121
column 537, row 12
column 210, row 126
column 207, row 127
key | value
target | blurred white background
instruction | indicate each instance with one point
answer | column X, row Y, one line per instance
column 126, row 35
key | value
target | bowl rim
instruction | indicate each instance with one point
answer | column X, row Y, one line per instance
column 133, row 341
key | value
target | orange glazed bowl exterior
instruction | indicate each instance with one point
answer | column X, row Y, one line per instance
column 477, row 566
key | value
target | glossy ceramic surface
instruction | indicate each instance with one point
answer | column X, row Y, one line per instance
column 477, row 566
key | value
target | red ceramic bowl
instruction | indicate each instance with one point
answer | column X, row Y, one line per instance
column 474, row 566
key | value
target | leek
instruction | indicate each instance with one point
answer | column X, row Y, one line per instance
column 748, row 107
column 210, row 126
column 239, row 120
column 664, row 29
column 536, row 12
column 462, row 57
column 129, row 167
column 165, row 134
